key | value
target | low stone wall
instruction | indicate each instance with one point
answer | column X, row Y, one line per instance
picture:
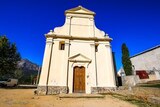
column 43, row 90
column 130, row 80
column 51, row 90
column 102, row 89
column 151, row 78
column 134, row 79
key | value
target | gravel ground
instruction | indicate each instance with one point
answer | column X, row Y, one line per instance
column 26, row 98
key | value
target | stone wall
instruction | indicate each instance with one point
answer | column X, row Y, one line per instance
column 43, row 90
column 102, row 89
column 134, row 79
column 130, row 80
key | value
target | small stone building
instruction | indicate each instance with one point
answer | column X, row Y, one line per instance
column 78, row 57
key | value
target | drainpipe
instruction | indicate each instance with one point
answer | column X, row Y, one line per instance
column 96, row 69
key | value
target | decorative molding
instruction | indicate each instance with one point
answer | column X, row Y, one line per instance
column 108, row 45
column 76, row 11
column 49, row 40
column 83, row 58
column 78, row 38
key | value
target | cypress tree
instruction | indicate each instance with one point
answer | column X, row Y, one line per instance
column 127, row 65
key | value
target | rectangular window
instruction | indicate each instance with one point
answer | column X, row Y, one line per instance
column 61, row 45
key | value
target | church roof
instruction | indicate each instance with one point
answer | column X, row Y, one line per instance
column 148, row 50
column 80, row 10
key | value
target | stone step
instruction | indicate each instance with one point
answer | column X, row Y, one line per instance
column 80, row 95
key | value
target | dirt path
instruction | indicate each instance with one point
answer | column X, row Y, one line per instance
column 25, row 98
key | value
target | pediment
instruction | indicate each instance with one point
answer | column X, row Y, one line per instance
column 80, row 10
column 79, row 58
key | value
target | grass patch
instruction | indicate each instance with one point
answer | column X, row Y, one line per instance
column 150, row 85
column 153, row 84
column 139, row 101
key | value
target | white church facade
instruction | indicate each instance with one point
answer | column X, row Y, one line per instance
column 77, row 57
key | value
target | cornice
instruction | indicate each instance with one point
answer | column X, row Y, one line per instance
column 77, row 38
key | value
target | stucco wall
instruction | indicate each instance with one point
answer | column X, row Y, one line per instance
column 148, row 60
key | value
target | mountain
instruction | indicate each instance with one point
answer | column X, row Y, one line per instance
column 27, row 65
column 27, row 72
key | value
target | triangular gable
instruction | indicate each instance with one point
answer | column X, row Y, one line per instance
column 79, row 58
column 80, row 10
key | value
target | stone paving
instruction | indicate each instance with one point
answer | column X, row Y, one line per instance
column 81, row 95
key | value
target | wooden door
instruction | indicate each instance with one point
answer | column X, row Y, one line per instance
column 79, row 80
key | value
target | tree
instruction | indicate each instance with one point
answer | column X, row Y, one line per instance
column 8, row 57
column 127, row 65
column 18, row 73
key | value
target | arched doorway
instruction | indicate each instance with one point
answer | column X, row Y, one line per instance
column 79, row 79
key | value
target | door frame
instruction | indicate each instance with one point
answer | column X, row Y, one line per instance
column 70, row 76
column 83, row 77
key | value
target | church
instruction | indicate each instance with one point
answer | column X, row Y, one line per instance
column 77, row 57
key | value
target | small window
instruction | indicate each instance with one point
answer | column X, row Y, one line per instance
column 96, row 47
column 61, row 45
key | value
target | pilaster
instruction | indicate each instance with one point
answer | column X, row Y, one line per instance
column 94, row 78
column 110, row 66
column 46, row 62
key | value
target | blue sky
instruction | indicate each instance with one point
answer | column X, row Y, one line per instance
column 135, row 22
